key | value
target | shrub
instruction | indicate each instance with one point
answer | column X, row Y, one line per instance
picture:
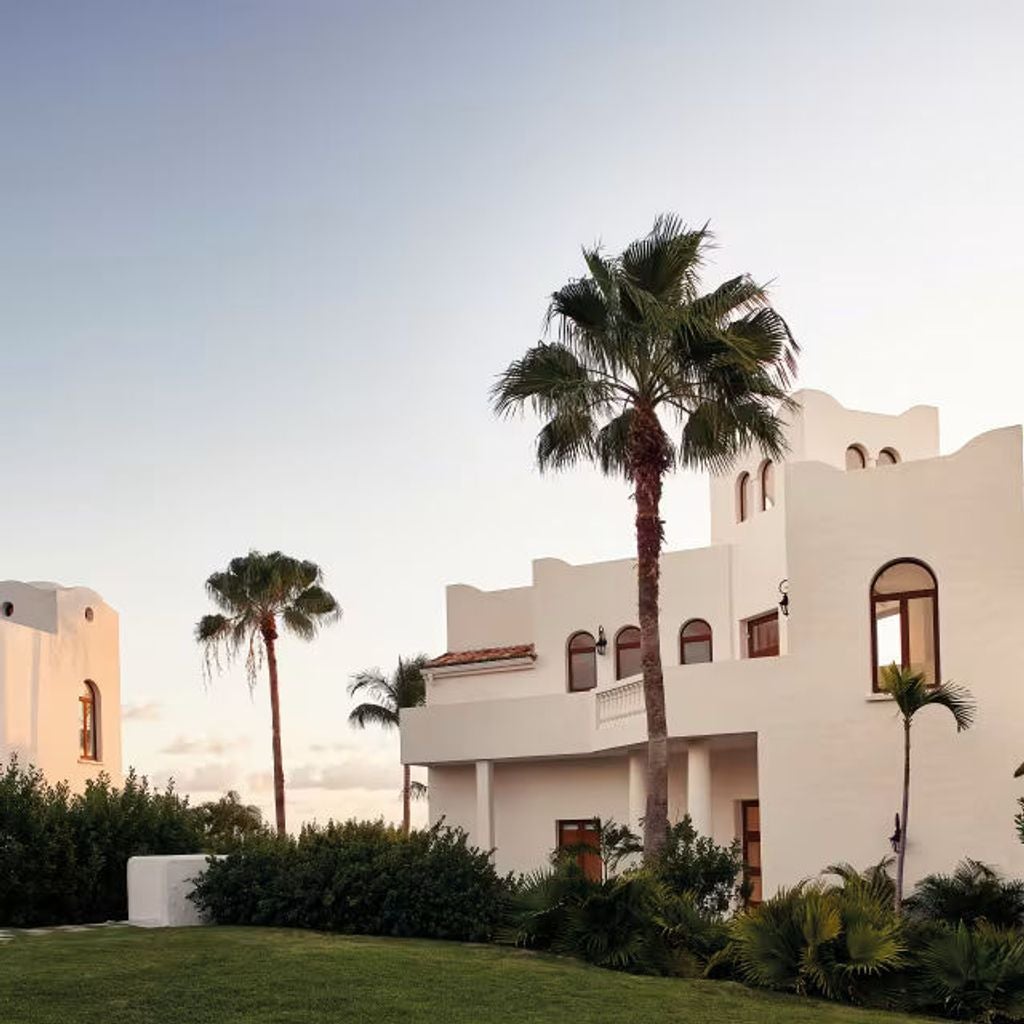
column 633, row 922
column 63, row 857
column 974, row 892
column 358, row 877
column 975, row 973
column 816, row 939
column 696, row 864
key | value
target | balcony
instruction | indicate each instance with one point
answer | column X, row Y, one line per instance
column 618, row 702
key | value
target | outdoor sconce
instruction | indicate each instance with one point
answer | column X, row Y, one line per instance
column 602, row 641
column 784, row 591
column 895, row 838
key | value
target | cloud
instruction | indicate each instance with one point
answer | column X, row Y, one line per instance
column 214, row 777
column 204, row 745
column 354, row 774
column 148, row 712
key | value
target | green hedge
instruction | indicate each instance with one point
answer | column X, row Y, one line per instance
column 359, row 877
column 63, row 857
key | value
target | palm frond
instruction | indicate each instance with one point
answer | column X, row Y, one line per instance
column 363, row 715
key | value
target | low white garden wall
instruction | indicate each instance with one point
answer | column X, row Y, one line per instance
column 158, row 889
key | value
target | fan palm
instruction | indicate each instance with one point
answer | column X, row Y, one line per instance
column 255, row 594
column 647, row 373
column 404, row 688
column 911, row 692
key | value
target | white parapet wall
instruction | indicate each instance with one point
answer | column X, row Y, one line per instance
column 158, row 890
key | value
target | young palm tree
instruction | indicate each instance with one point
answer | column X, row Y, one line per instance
column 912, row 692
column 647, row 373
column 254, row 594
column 405, row 688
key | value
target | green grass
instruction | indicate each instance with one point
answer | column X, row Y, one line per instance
column 258, row 976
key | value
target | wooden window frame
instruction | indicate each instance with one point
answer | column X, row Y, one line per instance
column 569, row 656
column 684, row 640
column 620, row 646
column 89, row 723
column 903, row 597
column 757, row 620
column 766, row 467
column 747, row 837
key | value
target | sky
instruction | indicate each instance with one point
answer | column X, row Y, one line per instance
column 261, row 262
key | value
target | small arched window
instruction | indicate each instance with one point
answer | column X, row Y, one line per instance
column 888, row 457
column 905, row 619
column 88, row 740
column 856, row 457
column 767, row 475
column 743, row 497
column 582, row 662
column 695, row 645
column 627, row 653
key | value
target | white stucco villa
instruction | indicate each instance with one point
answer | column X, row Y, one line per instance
column 886, row 551
column 60, row 684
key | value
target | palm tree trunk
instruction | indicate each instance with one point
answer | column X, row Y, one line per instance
column 648, row 457
column 406, row 797
column 270, row 640
column 901, row 856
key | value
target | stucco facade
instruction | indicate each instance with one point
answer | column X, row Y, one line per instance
column 60, row 684
column 782, row 742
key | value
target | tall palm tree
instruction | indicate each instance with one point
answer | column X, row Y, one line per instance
column 647, row 373
column 254, row 594
column 911, row 692
column 389, row 695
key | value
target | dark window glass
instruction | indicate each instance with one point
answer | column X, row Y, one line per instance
column 695, row 642
column 582, row 662
column 763, row 636
column 627, row 653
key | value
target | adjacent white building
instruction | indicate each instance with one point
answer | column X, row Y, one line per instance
column 885, row 551
column 60, row 684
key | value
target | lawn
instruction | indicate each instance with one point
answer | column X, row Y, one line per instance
column 258, row 976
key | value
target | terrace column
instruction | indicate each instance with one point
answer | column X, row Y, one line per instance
column 484, row 837
column 698, row 785
column 637, row 789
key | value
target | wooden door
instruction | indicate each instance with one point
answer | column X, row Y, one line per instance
column 751, row 811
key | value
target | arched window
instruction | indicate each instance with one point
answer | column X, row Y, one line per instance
column 905, row 619
column 627, row 653
column 582, row 662
column 88, row 740
column 742, row 497
column 888, row 457
column 767, row 475
column 856, row 457
column 695, row 642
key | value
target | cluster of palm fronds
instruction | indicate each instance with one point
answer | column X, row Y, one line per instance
column 633, row 922
column 957, row 950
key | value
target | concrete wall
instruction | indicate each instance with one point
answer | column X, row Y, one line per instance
column 48, row 648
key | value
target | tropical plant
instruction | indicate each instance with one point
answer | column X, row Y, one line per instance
column 875, row 880
column 816, row 939
column 255, row 594
column 697, row 865
column 632, row 922
column 974, row 892
column 976, row 973
column 912, row 693
column 647, row 373
column 389, row 696
column 227, row 822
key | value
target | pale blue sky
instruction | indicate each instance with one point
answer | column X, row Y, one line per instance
column 259, row 263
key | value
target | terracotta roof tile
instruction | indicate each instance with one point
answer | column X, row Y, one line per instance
column 482, row 654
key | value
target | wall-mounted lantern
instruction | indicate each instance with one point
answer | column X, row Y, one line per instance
column 784, row 591
column 602, row 641
column 894, row 839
